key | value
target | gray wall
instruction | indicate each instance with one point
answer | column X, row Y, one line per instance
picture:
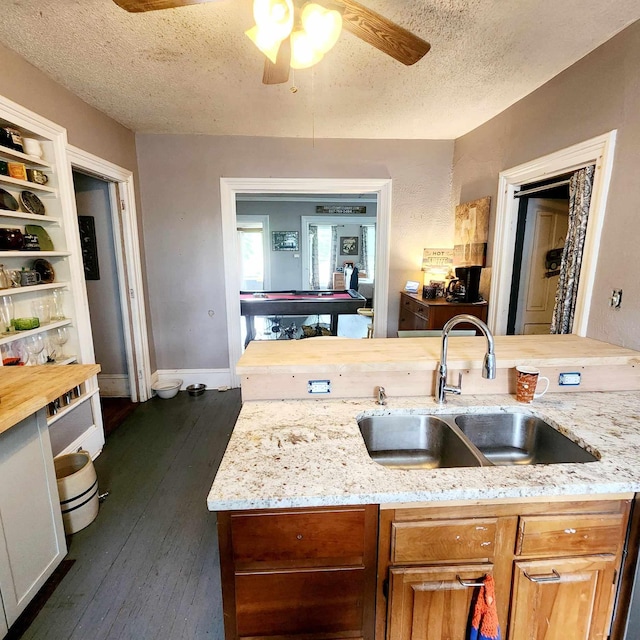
column 92, row 199
column 286, row 268
column 87, row 128
column 599, row 93
column 180, row 189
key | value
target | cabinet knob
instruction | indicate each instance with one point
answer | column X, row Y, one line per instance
column 299, row 536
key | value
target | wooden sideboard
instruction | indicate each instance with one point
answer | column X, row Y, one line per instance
column 421, row 314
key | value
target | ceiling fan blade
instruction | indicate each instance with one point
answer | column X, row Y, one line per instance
column 382, row 34
column 137, row 6
column 278, row 73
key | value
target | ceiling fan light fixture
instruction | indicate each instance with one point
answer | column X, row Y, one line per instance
column 303, row 52
column 323, row 26
column 264, row 40
column 274, row 17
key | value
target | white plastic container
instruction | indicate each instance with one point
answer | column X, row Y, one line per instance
column 167, row 388
column 78, row 490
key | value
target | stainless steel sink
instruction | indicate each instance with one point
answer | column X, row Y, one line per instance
column 519, row 438
column 420, row 441
column 415, row 442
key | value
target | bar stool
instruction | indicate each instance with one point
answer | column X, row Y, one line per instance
column 367, row 313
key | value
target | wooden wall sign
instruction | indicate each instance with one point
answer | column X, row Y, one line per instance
column 471, row 233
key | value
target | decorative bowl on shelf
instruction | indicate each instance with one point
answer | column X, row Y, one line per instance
column 25, row 324
column 167, row 388
column 11, row 239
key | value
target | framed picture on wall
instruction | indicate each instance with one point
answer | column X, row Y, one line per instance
column 348, row 246
column 87, row 228
column 285, row 241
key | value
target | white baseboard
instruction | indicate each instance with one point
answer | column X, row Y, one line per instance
column 213, row 378
column 114, row 385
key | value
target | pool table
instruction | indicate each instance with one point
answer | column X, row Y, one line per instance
column 298, row 303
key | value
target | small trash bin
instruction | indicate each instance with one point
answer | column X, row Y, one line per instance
column 78, row 490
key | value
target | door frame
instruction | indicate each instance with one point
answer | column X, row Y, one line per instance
column 265, row 243
column 598, row 151
column 124, row 221
column 231, row 187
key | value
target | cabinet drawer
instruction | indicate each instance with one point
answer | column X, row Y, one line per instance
column 415, row 306
column 298, row 539
column 300, row 602
column 570, row 534
column 443, row 541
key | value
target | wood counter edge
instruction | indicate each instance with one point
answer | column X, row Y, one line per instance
column 25, row 390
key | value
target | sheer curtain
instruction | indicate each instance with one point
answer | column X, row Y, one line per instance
column 334, row 255
column 315, row 271
column 580, row 187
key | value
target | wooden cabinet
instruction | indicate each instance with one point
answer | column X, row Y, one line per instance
column 563, row 598
column 421, row 314
column 555, row 569
column 32, row 541
column 299, row 572
column 59, row 300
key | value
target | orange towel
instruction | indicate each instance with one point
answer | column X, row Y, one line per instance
column 484, row 623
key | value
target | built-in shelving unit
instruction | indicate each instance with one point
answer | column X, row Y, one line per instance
column 80, row 422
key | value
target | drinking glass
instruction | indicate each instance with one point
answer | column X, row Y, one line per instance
column 41, row 309
column 35, row 345
column 60, row 337
column 6, row 314
column 57, row 305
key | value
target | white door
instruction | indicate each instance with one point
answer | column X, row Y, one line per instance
column 546, row 229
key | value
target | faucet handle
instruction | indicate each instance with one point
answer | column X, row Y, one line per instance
column 457, row 390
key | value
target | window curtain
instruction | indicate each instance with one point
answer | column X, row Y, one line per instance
column 315, row 271
column 334, row 255
column 364, row 250
column 580, row 186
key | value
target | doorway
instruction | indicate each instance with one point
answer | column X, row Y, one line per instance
column 230, row 188
column 596, row 151
column 118, row 204
column 542, row 230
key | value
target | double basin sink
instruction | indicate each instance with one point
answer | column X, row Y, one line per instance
column 417, row 441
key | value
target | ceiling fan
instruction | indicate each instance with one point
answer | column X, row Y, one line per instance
column 287, row 23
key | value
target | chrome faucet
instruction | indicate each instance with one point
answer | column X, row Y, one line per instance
column 382, row 396
column 488, row 366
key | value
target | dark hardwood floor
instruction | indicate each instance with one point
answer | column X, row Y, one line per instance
column 148, row 566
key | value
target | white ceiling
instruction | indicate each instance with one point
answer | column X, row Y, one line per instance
column 192, row 70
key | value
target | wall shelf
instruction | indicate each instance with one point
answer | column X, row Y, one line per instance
column 19, row 215
column 14, row 291
column 34, row 254
column 5, row 152
column 30, row 186
column 7, row 338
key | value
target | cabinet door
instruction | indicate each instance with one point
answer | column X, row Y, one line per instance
column 32, row 542
column 430, row 603
column 563, row 599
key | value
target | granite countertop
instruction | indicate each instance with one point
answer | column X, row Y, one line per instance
column 303, row 453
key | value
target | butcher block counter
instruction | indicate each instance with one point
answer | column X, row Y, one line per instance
column 25, row 390
column 278, row 369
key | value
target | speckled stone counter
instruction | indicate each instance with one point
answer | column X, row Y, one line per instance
column 310, row 453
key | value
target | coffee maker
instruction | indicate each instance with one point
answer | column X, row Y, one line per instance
column 466, row 286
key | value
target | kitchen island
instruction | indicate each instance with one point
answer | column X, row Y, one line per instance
column 291, row 460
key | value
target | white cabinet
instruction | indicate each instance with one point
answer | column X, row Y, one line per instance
column 59, row 221
column 32, row 541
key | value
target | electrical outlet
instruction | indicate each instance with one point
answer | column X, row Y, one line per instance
column 616, row 298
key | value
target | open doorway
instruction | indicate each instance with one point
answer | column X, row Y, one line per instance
column 105, row 192
column 596, row 151
column 230, row 188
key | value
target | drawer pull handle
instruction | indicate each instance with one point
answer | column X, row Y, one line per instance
column 553, row 578
column 470, row 583
column 299, row 536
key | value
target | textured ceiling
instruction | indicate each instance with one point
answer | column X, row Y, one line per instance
column 192, row 70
